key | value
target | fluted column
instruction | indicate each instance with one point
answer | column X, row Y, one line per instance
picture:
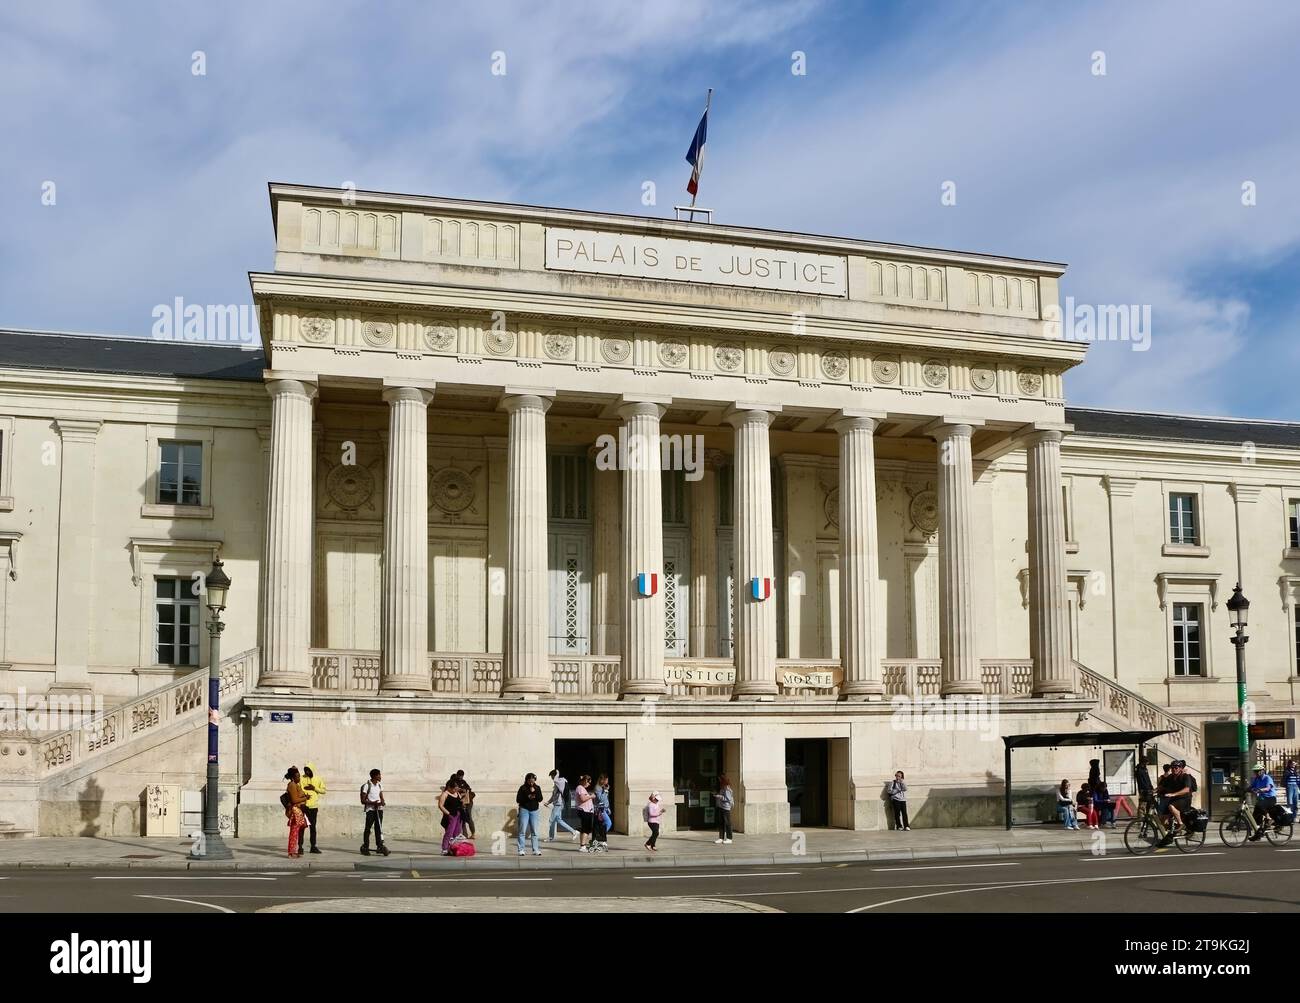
column 527, row 669
column 957, row 636
column 404, row 601
column 859, row 557
column 1049, row 604
column 607, row 560
column 643, row 550
column 704, row 558
column 755, row 618
column 286, row 606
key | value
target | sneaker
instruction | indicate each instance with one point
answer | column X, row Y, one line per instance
column 575, row 837
column 365, row 851
column 907, row 828
column 726, row 841
column 521, row 853
column 314, row 850
column 717, row 842
column 536, row 853
column 648, row 846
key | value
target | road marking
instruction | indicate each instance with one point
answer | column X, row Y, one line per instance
column 942, row 867
column 446, row 880
column 177, row 877
column 1058, row 881
column 1129, row 856
column 208, row 905
column 690, row 877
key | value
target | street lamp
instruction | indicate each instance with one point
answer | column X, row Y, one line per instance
column 212, row 846
column 1239, row 607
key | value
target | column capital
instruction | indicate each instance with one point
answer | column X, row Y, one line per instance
column 282, row 383
column 1119, row 487
column 78, row 429
column 641, row 408
column 1245, row 494
column 949, row 426
column 415, row 394
column 747, row 413
column 856, row 419
column 526, row 400
column 1044, row 431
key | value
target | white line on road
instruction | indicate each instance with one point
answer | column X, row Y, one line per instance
column 1162, row 856
column 174, row 877
column 471, row 880
column 941, row 867
column 208, row 905
column 689, row 877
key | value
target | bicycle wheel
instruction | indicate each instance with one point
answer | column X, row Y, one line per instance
column 1189, row 842
column 1141, row 836
column 1234, row 829
column 1278, row 835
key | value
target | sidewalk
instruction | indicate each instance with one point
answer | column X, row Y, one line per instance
column 689, row 849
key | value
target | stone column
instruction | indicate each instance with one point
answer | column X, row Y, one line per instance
column 755, row 619
column 607, row 560
column 74, row 591
column 1124, row 604
column 643, row 550
column 527, row 669
column 859, row 557
column 704, row 558
column 957, row 636
column 286, row 606
column 404, row 601
column 1049, row 604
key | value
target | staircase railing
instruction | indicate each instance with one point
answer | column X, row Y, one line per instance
column 1130, row 711
column 181, row 699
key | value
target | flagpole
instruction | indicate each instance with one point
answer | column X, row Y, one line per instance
column 707, row 101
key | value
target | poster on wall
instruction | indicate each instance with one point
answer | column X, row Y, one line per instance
column 1118, row 770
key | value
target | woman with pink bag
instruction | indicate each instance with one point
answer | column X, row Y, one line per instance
column 449, row 803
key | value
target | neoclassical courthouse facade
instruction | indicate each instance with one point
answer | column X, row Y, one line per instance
column 505, row 487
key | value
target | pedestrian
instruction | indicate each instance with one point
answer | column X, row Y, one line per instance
column 1265, row 798
column 1291, row 775
column 604, row 820
column 372, row 800
column 556, row 803
column 529, row 800
column 586, row 803
column 450, row 805
column 1087, row 810
column 466, row 805
column 725, row 799
column 1065, row 805
column 313, row 785
column 898, row 802
column 654, row 811
column 293, row 799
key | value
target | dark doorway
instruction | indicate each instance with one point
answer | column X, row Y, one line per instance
column 696, row 767
column 594, row 756
column 807, row 776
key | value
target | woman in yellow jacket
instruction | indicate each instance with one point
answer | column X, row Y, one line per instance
column 313, row 785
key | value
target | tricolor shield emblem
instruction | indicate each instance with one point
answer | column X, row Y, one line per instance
column 760, row 588
column 647, row 583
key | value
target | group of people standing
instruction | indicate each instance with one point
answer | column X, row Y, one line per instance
column 595, row 818
column 1092, row 803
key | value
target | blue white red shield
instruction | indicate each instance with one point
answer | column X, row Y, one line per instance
column 760, row 588
column 647, row 583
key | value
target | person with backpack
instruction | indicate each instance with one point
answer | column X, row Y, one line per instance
column 372, row 800
column 450, row 805
column 654, row 811
column 529, row 800
column 725, row 799
column 313, row 785
column 293, row 799
column 556, row 803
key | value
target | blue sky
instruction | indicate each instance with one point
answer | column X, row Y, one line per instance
column 1133, row 178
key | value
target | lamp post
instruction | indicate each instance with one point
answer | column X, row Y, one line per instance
column 212, row 846
column 1239, row 607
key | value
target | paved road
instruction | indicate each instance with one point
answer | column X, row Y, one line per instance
column 1250, row 879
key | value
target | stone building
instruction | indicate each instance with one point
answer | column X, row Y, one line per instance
column 846, row 470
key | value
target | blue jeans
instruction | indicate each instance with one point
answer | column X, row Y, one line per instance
column 529, row 819
column 1292, row 795
column 1067, row 814
column 557, row 818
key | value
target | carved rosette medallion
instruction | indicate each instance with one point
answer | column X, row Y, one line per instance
column 729, row 358
column 350, row 486
column 440, row 337
column 924, row 511
column 885, row 370
column 831, row 507
column 316, row 328
column 781, row 361
column 935, row 373
column 982, row 379
column 615, row 350
column 377, row 333
column 499, row 342
column 1030, row 383
column 835, row 365
column 672, row 353
column 558, row 346
column 451, row 490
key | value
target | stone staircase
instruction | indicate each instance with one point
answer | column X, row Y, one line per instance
column 1124, row 710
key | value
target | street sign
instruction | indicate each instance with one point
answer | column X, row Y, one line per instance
column 282, row 717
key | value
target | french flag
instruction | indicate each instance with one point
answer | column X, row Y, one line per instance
column 647, row 583
column 761, row 588
column 695, row 155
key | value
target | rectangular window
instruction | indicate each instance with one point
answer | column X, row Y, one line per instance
column 1182, row 519
column 180, row 475
column 1187, row 639
column 176, row 622
column 568, row 479
column 1293, row 522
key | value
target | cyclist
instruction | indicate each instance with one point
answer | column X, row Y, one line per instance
column 1178, row 788
column 1265, row 798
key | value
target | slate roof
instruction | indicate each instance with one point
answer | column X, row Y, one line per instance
column 1183, row 428
column 87, row 353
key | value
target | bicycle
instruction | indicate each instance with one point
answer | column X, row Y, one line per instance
column 1148, row 831
column 1240, row 825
